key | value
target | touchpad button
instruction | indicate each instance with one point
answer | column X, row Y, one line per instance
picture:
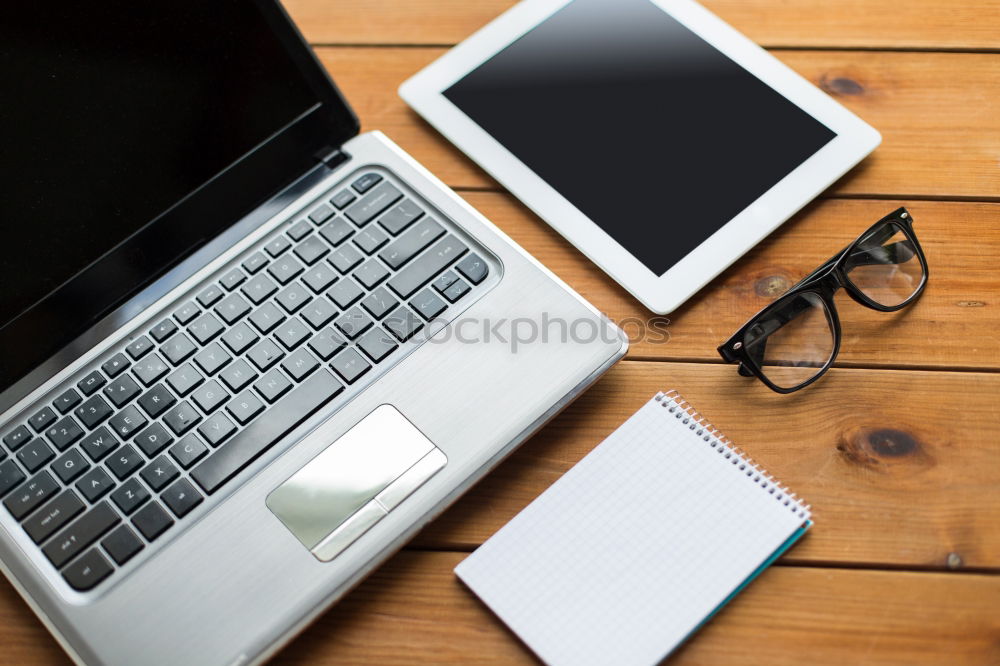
column 341, row 493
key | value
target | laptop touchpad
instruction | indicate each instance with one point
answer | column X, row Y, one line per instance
column 355, row 482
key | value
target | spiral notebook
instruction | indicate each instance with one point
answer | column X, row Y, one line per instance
column 638, row 545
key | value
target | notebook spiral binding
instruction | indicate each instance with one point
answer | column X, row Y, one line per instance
column 677, row 405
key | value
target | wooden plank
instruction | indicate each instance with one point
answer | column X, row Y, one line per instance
column 936, row 112
column 414, row 611
column 953, row 325
column 963, row 24
column 896, row 475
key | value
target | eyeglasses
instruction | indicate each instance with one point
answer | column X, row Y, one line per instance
column 792, row 342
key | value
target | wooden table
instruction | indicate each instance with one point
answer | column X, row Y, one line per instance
column 897, row 448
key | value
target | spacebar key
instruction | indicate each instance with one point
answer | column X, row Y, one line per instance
column 248, row 445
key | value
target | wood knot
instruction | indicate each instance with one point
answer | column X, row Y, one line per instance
column 882, row 448
column 971, row 304
column 891, row 443
column 772, row 286
column 840, row 85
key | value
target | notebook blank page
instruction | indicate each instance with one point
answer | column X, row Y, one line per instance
column 627, row 553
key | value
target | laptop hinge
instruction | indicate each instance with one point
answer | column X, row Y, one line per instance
column 332, row 157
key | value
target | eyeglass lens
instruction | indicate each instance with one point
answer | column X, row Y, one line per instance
column 794, row 341
column 885, row 266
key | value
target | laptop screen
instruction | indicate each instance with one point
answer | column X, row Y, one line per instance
column 120, row 123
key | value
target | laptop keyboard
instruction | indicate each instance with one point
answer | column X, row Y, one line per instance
column 132, row 447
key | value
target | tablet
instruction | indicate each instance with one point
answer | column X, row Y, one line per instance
column 656, row 138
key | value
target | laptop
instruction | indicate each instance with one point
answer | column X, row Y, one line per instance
column 246, row 352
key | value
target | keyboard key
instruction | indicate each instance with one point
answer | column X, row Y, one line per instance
column 343, row 199
column 10, row 476
column 210, row 295
column 153, row 439
column 233, row 279
column 379, row 302
column 326, row 343
column 115, row 365
column 299, row 364
column 320, row 214
column 457, row 290
column 17, row 438
column 53, row 516
column 273, row 385
column 411, row 243
column 245, row 407
column 345, row 258
column 311, row 250
column 371, row 273
column 35, row 455
column 366, row 182
column 122, row 390
column 353, row 323
column 319, row 277
column 156, row 400
column 423, row 269
column 240, row 337
column 181, row 418
column 205, row 328
column 428, row 304
column 152, row 521
column 130, row 496
column 364, row 211
column 377, row 344
column 345, row 293
column 260, row 435
column 212, row 358
column 232, row 308
column 217, row 428
column 265, row 355
column 186, row 313
column 127, row 422
column 254, row 262
column 182, row 498
column 293, row 297
column 336, row 232
column 371, row 239
column 80, row 534
column 150, row 369
column 210, row 396
column 122, row 544
column 163, row 330
column 401, row 216
column 94, row 411
column 179, row 349
column 259, row 288
column 267, row 317
column 446, row 280
column 292, row 333
column 403, row 323
column 95, row 484
column 159, row 473
column 67, row 401
column 285, row 269
column 125, row 462
column 319, row 312
column 238, row 375
column 31, row 494
column 185, row 379
column 64, row 432
column 70, row 465
column 350, row 366
column 43, row 418
column 139, row 347
column 99, row 444
column 277, row 246
column 88, row 571
column 188, row 451
column 474, row 268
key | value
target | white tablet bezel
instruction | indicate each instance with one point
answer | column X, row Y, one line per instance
column 660, row 293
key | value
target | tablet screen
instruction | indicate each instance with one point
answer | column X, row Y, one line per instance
column 647, row 129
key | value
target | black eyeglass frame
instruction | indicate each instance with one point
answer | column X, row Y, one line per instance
column 824, row 282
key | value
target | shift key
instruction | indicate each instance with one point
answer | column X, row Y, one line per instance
column 74, row 539
column 433, row 261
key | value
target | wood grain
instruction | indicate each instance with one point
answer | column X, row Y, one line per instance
column 936, row 112
column 932, row 24
column 953, row 325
